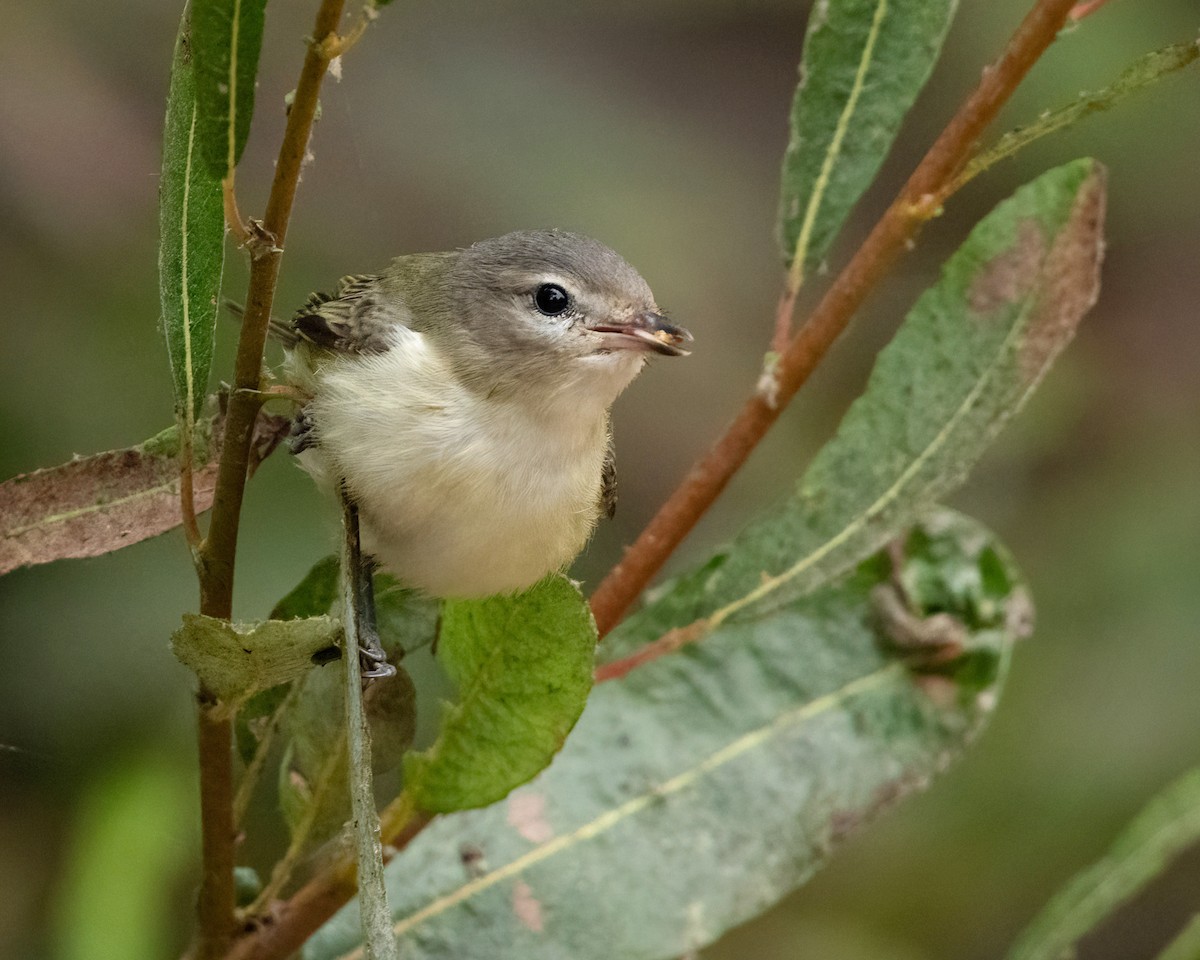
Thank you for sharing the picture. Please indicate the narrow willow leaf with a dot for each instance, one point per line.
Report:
(1143, 72)
(864, 63)
(1168, 825)
(94, 505)
(701, 788)
(227, 36)
(191, 242)
(970, 352)
(237, 660)
(523, 667)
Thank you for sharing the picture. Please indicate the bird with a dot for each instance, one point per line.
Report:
(461, 400)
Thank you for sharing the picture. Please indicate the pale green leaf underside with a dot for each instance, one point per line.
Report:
(523, 668)
(864, 62)
(191, 241)
(237, 660)
(968, 354)
(701, 788)
(1168, 825)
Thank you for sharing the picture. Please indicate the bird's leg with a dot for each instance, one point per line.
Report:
(361, 570)
(301, 436)
(370, 650)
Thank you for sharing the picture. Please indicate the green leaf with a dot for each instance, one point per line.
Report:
(314, 596)
(864, 63)
(702, 787)
(970, 352)
(405, 618)
(1168, 825)
(523, 667)
(227, 36)
(1146, 70)
(191, 243)
(237, 660)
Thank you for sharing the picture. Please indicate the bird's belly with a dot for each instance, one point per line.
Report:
(473, 536)
(459, 495)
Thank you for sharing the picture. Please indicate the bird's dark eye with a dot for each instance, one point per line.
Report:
(551, 299)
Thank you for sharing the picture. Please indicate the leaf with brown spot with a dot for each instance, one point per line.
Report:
(1008, 277)
(969, 353)
(95, 505)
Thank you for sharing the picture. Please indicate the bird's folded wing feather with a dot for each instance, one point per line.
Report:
(608, 482)
(356, 319)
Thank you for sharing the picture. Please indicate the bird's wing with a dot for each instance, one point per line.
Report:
(356, 319)
(608, 482)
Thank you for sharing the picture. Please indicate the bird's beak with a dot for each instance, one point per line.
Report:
(645, 331)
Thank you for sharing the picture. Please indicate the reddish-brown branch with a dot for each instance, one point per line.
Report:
(215, 908)
(216, 561)
(1085, 9)
(919, 199)
(292, 922)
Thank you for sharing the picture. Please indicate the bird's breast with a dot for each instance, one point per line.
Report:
(460, 494)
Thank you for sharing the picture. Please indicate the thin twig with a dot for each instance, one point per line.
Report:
(187, 492)
(218, 834)
(295, 920)
(249, 781)
(336, 46)
(233, 216)
(281, 873)
(216, 909)
(917, 202)
(1085, 9)
(1143, 72)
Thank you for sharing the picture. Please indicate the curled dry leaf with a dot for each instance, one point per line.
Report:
(94, 505)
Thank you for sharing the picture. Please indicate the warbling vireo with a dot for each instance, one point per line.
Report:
(463, 399)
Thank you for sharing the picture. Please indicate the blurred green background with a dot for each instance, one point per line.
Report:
(657, 127)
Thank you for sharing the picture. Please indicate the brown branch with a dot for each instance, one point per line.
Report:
(187, 486)
(216, 566)
(292, 922)
(917, 201)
